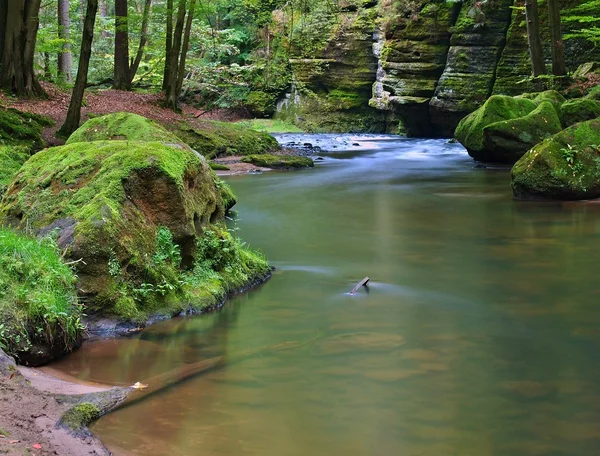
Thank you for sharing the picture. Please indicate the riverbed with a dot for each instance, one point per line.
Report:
(479, 333)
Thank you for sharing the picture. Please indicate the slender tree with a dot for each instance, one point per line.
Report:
(121, 69)
(20, 34)
(558, 49)
(168, 44)
(65, 60)
(3, 16)
(533, 36)
(143, 39)
(74, 113)
(178, 53)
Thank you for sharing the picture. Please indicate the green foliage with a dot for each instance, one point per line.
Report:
(38, 301)
(166, 249)
(271, 126)
(584, 13)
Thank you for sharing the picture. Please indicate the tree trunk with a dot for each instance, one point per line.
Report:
(3, 16)
(22, 21)
(533, 36)
(74, 114)
(143, 38)
(104, 15)
(184, 48)
(171, 89)
(558, 49)
(122, 76)
(65, 60)
(168, 44)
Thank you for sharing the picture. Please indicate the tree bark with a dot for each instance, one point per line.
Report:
(558, 49)
(121, 69)
(74, 113)
(184, 48)
(538, 66)
(21, 26)
(65, 60)
(171, 99)
(104, 15)
(3, 17)
(143, 39)
(168, 44)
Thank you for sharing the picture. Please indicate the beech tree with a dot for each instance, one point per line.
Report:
(176, 54)
(74, 113)
(65, 60)
(538, 66)
(19, 26)
(558, 49)
(122, 79)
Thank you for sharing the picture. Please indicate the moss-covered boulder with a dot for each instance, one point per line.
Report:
(579, 110)
(488, 135)
(279, 161)
(508, 140)
(216, 139)
(121, 126)
(22, 128)
(565, 166)
(39, 311)
(551, 96)
(111, 204)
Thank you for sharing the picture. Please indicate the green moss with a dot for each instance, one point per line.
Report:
(217, 166)
(271, 126)
(22, 128)
(121, 126)
(229, 199)
(4, 433)
(553, 97)
(565, 166)
(508, 140)
(594, 93)
(279, 161)
(11, 160)
(80, 416)
(497, 108)
(38, 301)
(215, 139)
(579, 110)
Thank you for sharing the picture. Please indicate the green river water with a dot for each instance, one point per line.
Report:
(479, 335)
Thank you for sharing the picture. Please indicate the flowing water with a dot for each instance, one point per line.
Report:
(479, 334)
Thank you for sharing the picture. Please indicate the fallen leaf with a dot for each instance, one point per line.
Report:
(14, 441)
(11, 376)
(2, 436)
(36, 446)
(138, 385)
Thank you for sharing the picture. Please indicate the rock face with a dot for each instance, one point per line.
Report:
(107, 200)
(504, 128)
(333, 77)
(565, 166)
(478, 37)
(432, 63)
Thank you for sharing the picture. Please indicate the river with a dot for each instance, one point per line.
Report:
(479, 334)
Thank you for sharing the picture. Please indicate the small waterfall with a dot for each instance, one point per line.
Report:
(287, 107)
(381, 98)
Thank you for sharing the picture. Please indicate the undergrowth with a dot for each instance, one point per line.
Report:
(38, 301)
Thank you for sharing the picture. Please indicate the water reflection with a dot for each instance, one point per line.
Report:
(479, 335)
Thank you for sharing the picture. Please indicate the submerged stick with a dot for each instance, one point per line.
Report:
(362, 283)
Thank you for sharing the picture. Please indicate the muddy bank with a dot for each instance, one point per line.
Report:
(41, 414)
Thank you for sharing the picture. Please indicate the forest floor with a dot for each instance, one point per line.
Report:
(107, 101)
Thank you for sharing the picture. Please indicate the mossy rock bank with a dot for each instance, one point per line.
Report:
(279, 161)
(22, 128)
(504, 128)
(130, 213)
(217, 139)
(40, 316)
(563, 167)
(579, 110)
(121, 126)
(11, 160)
